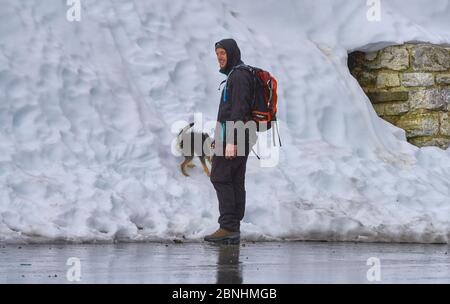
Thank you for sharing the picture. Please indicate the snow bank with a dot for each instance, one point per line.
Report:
(87, 114)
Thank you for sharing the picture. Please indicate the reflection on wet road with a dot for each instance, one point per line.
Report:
(289, 262)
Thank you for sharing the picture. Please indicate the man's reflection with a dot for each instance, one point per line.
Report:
(229, 270)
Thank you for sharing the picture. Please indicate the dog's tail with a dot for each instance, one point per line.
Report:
(180, 135)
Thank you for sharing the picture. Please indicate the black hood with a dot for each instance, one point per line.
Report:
(233, 54)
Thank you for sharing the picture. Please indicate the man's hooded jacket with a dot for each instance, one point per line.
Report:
(237, 95)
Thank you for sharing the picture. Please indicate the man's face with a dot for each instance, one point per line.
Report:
(221, 57)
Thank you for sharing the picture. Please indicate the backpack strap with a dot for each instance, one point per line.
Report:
(252, 71)
(225, 92)
(242, 66)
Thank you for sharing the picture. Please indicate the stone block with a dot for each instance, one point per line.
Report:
(395, 58)
(388, 80)
(427, 141)
(378, 97)
(423, 124)
(371, 56)
(430, 58)
(430, 99)
(367, 79)
(396, 108)
(417, 79)
(444, 124)
(443, 79)
(379, 108)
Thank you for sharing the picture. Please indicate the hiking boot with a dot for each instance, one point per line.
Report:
(224, 236)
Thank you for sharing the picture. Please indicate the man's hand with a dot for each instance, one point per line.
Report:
(230, 151)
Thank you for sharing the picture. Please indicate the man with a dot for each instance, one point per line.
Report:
(228, 168)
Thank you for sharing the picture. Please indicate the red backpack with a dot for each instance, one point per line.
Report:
(264, 107)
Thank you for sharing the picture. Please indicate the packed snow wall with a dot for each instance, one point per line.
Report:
(89, 111)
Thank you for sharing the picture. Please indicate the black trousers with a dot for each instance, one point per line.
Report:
(228, 178)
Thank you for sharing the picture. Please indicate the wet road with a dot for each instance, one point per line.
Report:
(290, 262)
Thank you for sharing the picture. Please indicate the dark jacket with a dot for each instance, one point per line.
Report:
(237, 94)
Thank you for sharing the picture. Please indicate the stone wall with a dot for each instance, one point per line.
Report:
(409, 86)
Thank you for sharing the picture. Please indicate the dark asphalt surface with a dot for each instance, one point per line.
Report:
(288, 262)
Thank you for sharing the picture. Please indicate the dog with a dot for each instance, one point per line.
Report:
(192, 144)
